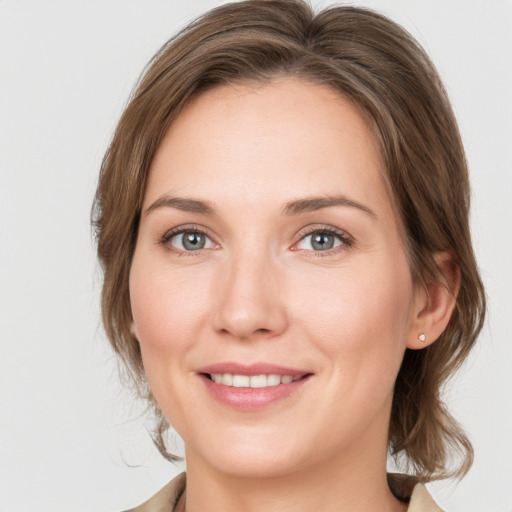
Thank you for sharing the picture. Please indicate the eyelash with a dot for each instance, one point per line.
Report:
(346, 240)
(169, 235)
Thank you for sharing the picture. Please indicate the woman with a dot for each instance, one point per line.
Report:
(282, 220)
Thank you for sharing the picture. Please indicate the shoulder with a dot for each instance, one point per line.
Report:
(166, 499)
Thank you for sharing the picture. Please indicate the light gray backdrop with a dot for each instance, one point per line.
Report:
(69, 434)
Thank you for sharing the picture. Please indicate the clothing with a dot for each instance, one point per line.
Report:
(403, 487)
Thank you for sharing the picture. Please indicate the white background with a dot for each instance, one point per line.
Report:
(68, 432)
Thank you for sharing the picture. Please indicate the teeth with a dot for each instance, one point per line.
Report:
(273, 380)
(253, 381)
(227, 379)
(241, 381)
(258, 381)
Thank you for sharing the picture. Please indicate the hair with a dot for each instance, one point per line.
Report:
(379, 67)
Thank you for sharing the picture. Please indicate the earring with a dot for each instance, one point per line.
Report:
(422, 337)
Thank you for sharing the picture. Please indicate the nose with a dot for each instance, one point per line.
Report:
(248, 304)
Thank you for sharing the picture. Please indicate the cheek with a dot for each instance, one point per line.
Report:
(168, 308)
(362, 317)
(169, 311)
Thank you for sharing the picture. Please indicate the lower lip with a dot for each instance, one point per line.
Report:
(252, 399)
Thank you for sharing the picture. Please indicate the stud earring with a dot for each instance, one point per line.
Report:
(422, 337)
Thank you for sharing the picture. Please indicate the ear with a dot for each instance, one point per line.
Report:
(133, 330)
(434, 304)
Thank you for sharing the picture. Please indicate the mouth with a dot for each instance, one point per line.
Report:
(253, 387)
(253, 381)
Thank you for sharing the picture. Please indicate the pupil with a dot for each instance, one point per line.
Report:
(322, 241)
(193, 241)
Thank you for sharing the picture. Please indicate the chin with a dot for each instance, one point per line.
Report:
(256, 465)
(261, 457)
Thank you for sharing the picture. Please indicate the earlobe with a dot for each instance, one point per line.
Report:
(435, 304)
(133, 331)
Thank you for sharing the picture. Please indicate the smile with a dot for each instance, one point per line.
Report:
(252, 387)
(252, 381)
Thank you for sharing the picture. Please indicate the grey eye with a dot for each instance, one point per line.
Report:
(191, 241)
(320, 241)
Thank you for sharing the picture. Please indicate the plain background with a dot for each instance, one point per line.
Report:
(70, 438)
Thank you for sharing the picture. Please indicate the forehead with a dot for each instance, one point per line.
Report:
(254, 141)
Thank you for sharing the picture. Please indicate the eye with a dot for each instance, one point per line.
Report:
(322, 240)
(189, 240)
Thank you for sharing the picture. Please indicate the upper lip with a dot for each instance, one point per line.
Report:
(251, 369)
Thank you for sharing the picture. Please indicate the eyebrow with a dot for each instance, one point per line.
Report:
(297, 207)
(184, 204)
(311, 204)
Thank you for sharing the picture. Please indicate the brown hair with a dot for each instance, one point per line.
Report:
(377, 65)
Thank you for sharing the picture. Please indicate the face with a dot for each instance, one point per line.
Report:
(270, 289)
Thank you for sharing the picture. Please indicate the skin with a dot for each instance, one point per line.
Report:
(259, 291)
